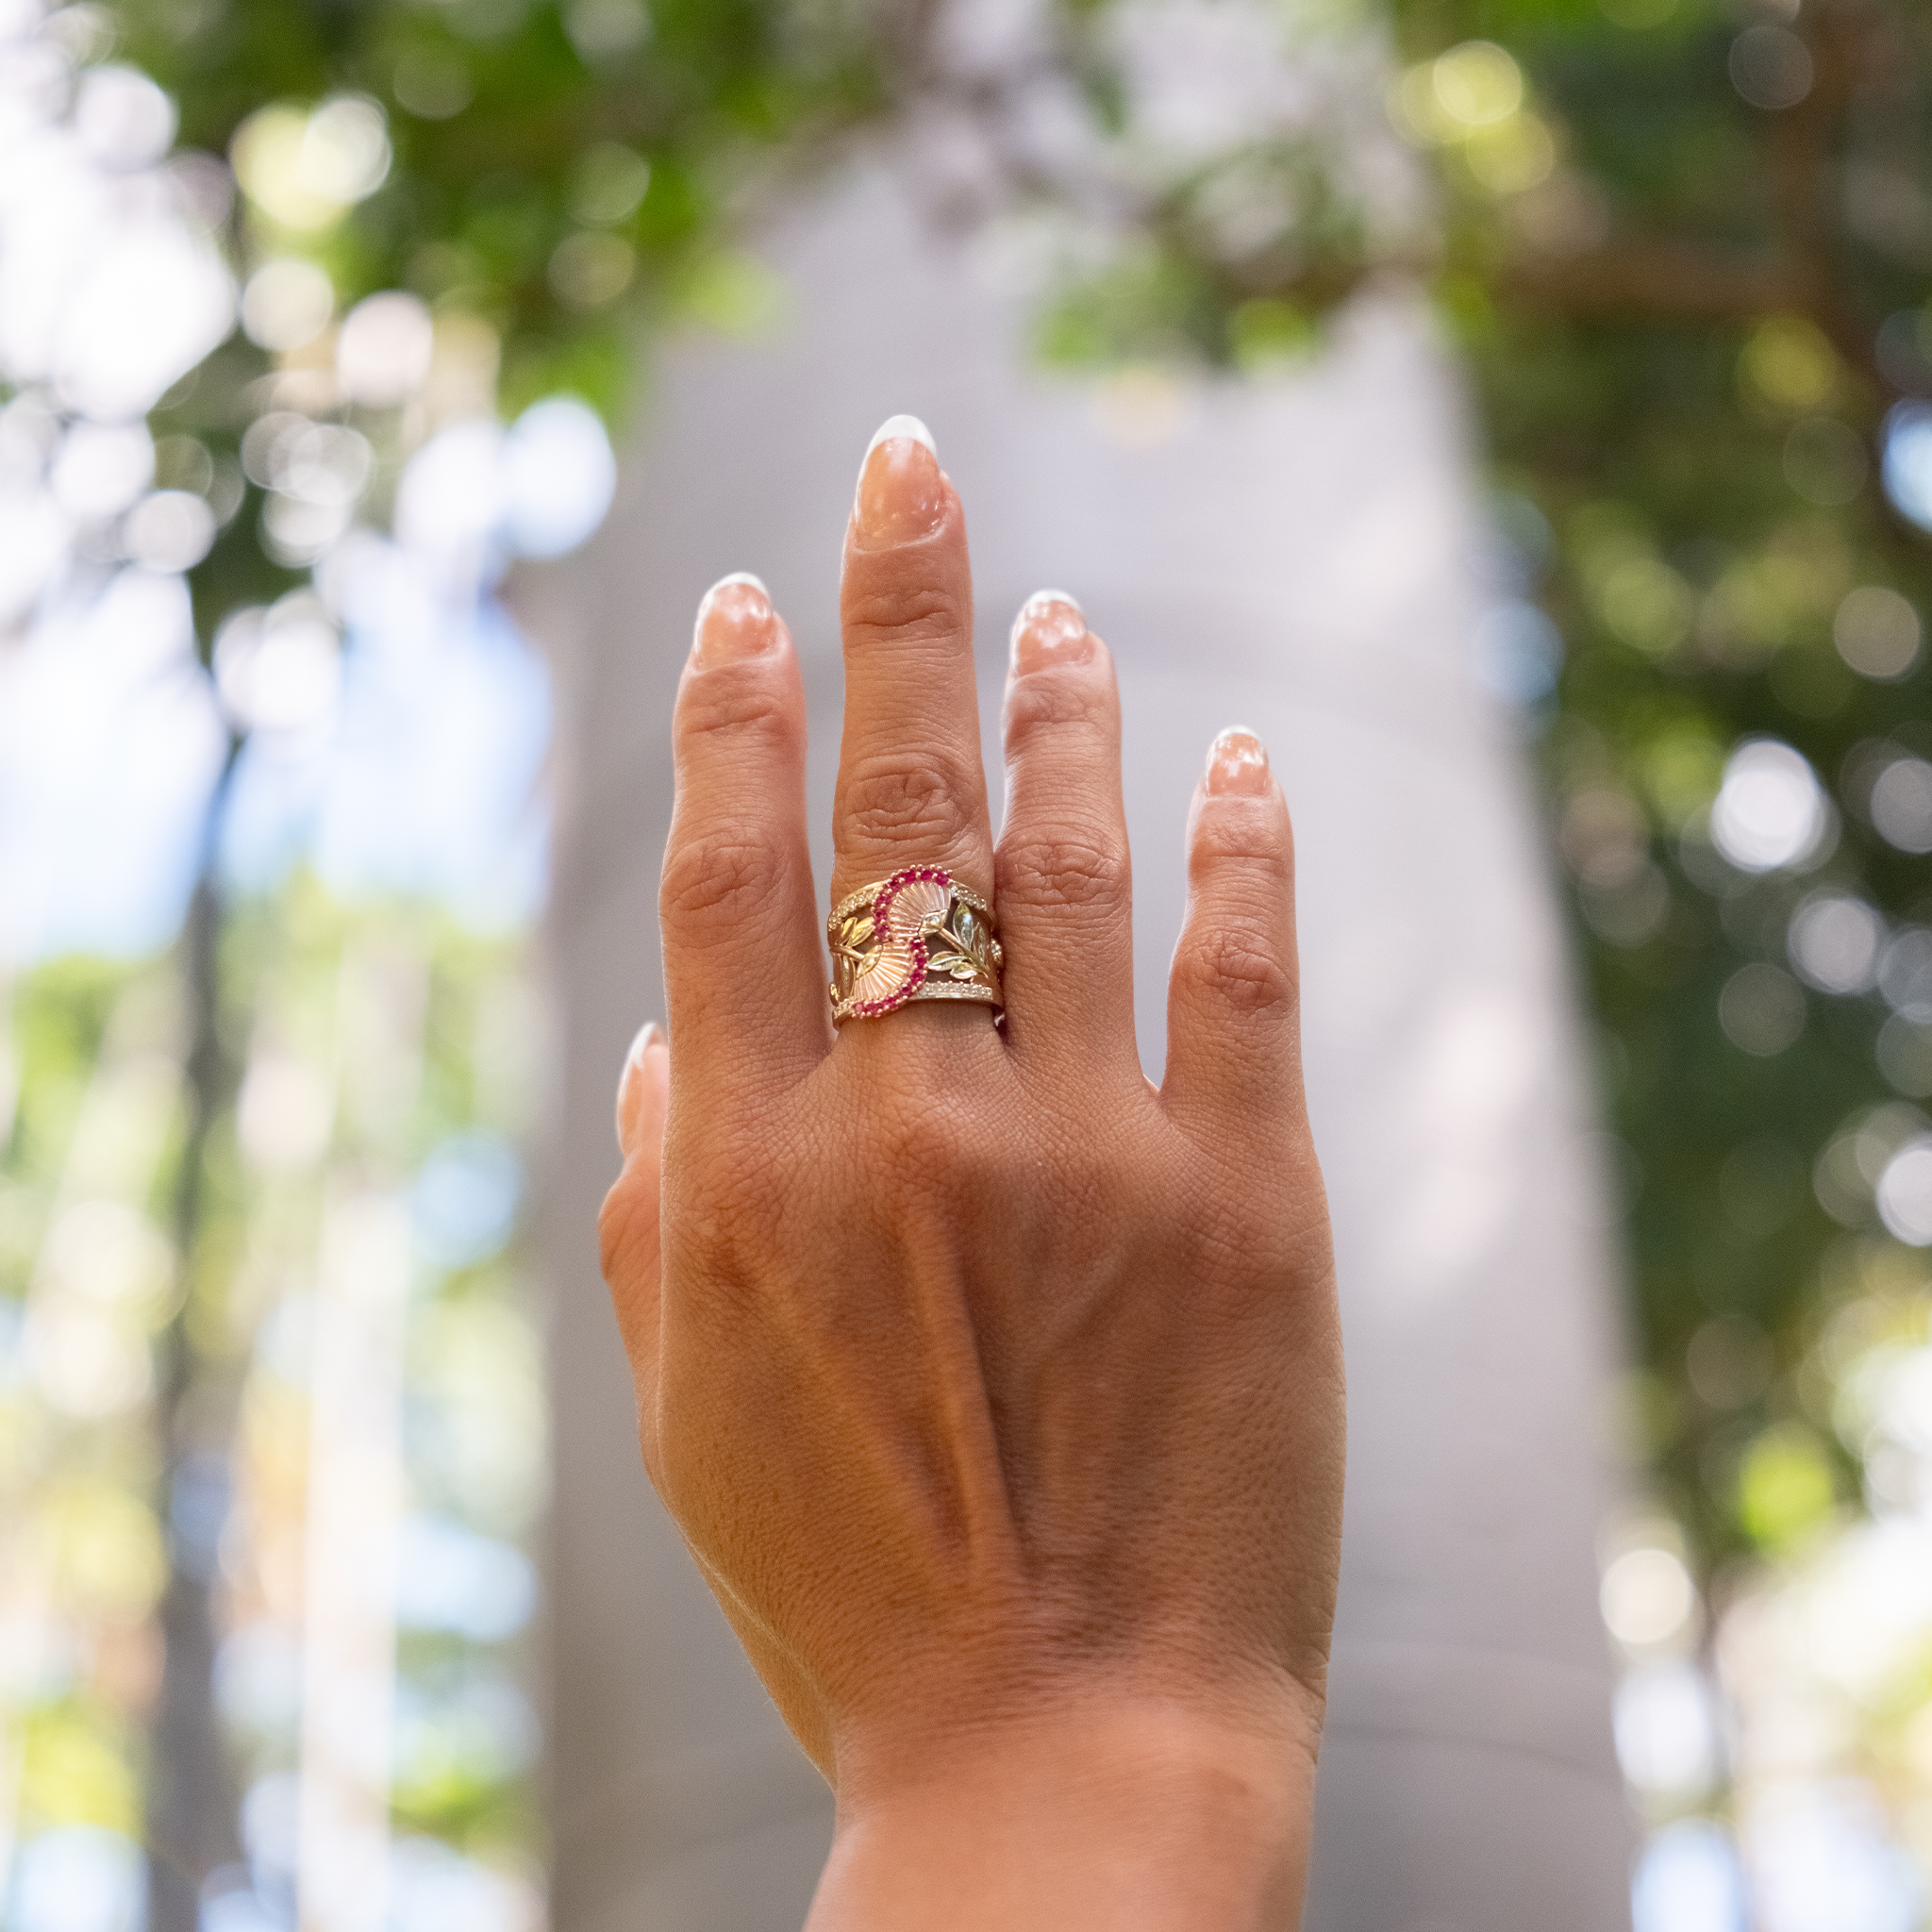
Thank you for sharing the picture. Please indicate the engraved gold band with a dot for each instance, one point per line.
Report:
(919, 934)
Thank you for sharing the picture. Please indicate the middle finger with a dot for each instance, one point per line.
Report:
(911, 784)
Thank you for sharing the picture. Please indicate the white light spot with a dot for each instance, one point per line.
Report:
(78, 1876)
(287, 301)
(1666, 1732)
(559, 474)
(1905, 1193)
(123, 119)
(346, 152)
(383, 353)
(149, 303)
(35, 549)
(170, 530)
(304, 170)
(1901, 805)
(1647, 1597)
(295, 532)
(100, 471)
(1834, 940)
(1690, 1881)
(1770, 811)
(285, 1112)
(322, 463)
(1877, 632)
(278, 670)
(1905, 975)
(451, 497)
(87, 1362)
(1908, 461)
(1905, 1057)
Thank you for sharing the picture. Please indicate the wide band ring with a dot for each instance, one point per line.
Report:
(919, 934)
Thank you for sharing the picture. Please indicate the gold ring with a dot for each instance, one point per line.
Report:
(919, 934)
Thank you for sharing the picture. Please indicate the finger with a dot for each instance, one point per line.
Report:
(1063, 890)
(643, 1095)
(911, 788)
(629, 1225)
(743, 971)
(1233, 1005)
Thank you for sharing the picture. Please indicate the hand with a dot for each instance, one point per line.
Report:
(997, 1393)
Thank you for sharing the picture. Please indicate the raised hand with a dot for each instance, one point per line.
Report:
(997, 1393)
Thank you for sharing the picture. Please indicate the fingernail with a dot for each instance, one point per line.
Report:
(734, 621)
(649, 1035)
(1237, 765)
(646, 1062)
(901, 494)
(1050, 630)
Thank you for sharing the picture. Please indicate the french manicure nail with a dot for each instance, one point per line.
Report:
(638, 1068)
(902, 496)
(735, 619)
(1050, 630)
(1237, 765)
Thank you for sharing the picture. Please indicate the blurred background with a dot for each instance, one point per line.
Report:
(318, 326)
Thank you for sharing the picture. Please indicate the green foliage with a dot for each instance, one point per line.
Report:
(563, 179)
(1686, 385)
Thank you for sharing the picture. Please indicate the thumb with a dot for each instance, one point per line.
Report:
(629, 1226)
(644, 1093)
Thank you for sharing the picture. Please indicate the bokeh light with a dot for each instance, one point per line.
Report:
(1770, 811)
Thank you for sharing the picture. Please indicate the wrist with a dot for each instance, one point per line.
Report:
(1100, 1814)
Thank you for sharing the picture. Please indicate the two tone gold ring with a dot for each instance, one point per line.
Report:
(919, 934)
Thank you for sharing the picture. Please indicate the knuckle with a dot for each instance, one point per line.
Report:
(721, 1204)
(722, 1213)
(919, 1141)
(894, 800)
(718, 712)
(1045, 703)
(715, 882)
(1256, 843)
(887, 613)
(1062, 871)
(1237, 967)
(936, 1153)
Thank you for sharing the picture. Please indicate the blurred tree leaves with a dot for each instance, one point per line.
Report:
(1680, 362)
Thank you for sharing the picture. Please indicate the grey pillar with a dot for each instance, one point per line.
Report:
(1299, 557)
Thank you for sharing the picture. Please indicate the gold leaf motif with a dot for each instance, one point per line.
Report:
(917, 907)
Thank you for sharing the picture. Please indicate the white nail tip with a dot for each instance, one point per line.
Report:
(738, 576)
(1053, 597)
(901, 425)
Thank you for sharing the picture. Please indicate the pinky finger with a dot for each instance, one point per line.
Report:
(629, 1226)
(1234, 1004)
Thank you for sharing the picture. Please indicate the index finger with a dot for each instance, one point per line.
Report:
(743, 973)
